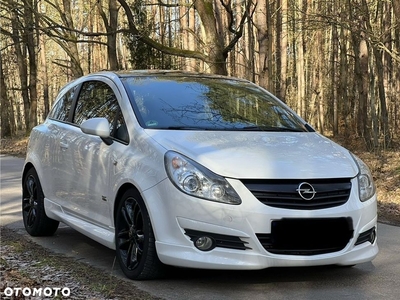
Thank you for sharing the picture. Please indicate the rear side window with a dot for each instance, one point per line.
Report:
(62, 107)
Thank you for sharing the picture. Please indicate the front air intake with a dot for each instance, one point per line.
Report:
(366, 236)
(220, 240)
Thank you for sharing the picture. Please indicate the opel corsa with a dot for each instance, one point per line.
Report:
(196, 171)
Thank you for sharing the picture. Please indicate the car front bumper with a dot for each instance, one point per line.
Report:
(173, 214)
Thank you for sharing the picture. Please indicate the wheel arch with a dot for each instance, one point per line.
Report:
(27, 167)
(123, 188)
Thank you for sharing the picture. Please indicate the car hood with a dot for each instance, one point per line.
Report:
(256, 155)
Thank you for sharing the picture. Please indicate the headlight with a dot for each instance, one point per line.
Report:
(366, 186)
(196, 180)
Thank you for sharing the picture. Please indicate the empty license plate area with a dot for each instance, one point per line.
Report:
(310, 236)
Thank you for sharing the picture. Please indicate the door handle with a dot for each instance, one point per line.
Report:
(63, 145)
(114, 159)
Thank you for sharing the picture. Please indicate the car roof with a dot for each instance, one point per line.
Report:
(151, 73)
(169, 73)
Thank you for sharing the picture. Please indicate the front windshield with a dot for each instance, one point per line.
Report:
(203, 103)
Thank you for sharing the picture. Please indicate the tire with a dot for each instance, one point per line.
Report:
(134, 238)
(35, 219)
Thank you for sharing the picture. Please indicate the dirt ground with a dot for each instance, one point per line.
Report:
(26, 265)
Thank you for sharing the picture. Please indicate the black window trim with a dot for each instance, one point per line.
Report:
(119, 112)
(72, 108)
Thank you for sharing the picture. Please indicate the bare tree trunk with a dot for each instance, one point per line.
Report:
(278, 59)
(380, 76)
(31, 45)
(214, 52)
(237, 57)
(214, 43)
(360, 49)
(271, 44)
(283, 45)
(7, 112)
(263, 35)
(364, 89)
(395, 122)
(170, 43)
(251, 69)
(44, 76)
(396, 9)
(319, 84)
(111, 28)
(184, 31)
(21, 59)
(301, 81)
(191, 38)
(333, 73)
(72, 48)
(343, 77)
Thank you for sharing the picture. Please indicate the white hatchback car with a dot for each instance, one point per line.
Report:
(195, 170)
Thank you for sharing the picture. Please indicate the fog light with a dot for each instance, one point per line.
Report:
(204, 243)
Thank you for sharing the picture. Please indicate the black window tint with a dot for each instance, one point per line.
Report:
(120, 130)
(60, 110)
(96, 99)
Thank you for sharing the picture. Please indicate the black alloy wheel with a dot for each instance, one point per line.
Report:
(34, 216)
(135, 242)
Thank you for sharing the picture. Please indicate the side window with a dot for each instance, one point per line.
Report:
(97, 99)
(62, 107)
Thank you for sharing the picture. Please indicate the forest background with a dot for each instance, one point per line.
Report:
(336, 62)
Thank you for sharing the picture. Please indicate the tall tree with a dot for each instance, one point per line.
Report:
(380, 76)
(282, 48)
(263, 23)
(334, 68)
(7, 113)
(344, 108)
(65, 35)
(44, 74)
(396, 10)
(214, 51)
(22, 35)
(111, 25)
(300, 63)
(363, 85)
(31, 45)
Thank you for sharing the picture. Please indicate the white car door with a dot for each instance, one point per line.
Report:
(90, 191)
(56, 157)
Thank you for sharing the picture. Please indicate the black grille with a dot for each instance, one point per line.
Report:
(284, 194)
(307, 236)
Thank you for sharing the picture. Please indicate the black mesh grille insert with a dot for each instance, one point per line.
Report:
(284, 193)
(307, 236)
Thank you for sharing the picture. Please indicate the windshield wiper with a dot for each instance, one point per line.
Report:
(247, 128)
(183, 128)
